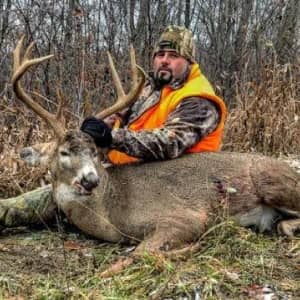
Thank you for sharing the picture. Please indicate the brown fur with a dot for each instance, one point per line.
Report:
(167, 205)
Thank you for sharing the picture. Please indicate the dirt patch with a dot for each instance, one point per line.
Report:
(31, 260)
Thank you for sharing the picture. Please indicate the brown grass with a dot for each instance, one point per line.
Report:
(19, 128)
(266, 117)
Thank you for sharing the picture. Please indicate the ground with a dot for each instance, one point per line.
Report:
(233, 263)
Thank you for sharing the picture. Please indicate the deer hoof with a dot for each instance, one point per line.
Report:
(287, 228)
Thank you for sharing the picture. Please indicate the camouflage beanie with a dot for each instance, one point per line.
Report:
(179, 39)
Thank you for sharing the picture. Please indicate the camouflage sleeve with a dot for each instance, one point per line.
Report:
(186, 125)
(33, 207)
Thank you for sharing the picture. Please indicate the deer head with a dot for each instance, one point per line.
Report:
(73, 154)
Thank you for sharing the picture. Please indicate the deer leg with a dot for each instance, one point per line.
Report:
(288, 227)
(29, 208)
(278, 185)
(172, 234)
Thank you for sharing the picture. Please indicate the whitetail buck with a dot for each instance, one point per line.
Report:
(165, 206)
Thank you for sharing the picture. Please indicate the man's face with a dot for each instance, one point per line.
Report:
(169, 66)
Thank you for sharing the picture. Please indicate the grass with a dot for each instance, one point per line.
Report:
(266, 117)
(232, 263)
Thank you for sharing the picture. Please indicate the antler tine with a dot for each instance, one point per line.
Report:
(61, 103)
(17, 53)
(124, 100)
(28, 51)
(21, 65)
(115, 77)
(133, 64)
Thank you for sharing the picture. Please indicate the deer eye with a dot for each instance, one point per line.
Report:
(64, 153)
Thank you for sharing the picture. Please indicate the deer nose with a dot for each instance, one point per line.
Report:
(90, 181)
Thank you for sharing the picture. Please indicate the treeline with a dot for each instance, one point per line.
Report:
(236, 40)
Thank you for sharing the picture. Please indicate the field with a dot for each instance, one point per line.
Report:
(233, 263)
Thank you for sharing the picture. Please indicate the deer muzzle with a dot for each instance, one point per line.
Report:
(89, 181)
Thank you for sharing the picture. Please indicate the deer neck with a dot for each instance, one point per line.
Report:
(90, 213)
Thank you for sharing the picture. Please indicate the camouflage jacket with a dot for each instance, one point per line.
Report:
(185, 126)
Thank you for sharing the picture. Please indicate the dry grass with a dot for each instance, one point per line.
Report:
(266, 118)
(20, 128)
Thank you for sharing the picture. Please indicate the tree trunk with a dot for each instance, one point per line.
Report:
(286, 38)
(187, 13)
(4, 24)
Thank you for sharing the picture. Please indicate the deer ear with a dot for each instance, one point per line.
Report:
(39, 154)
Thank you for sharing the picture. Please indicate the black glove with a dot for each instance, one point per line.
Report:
(98, 130)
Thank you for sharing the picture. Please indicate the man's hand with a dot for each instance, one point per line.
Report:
(111, 120)
(98, 130)
(116, 117)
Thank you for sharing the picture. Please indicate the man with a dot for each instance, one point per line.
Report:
(177, 111)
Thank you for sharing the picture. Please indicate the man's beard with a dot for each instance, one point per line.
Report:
(163, 76)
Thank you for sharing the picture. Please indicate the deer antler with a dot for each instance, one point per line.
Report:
(21, 65)
(124, 100)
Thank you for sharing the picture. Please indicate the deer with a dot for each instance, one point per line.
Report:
(164, 206)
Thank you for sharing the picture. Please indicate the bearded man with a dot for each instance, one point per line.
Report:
(176, 113)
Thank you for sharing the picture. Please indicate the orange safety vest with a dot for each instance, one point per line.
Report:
(196, 86)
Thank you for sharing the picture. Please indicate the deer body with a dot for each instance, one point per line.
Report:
(171, 202)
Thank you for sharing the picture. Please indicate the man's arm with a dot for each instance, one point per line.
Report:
(192, 120)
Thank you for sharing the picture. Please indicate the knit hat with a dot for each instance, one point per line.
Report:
(177, 38)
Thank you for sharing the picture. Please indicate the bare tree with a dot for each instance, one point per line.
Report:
(187, 13)
(235, 39)
(5, 7)
(286, 37)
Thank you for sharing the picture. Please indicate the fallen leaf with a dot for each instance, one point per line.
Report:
(4, 248)
(258, 292)
(71, 245)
